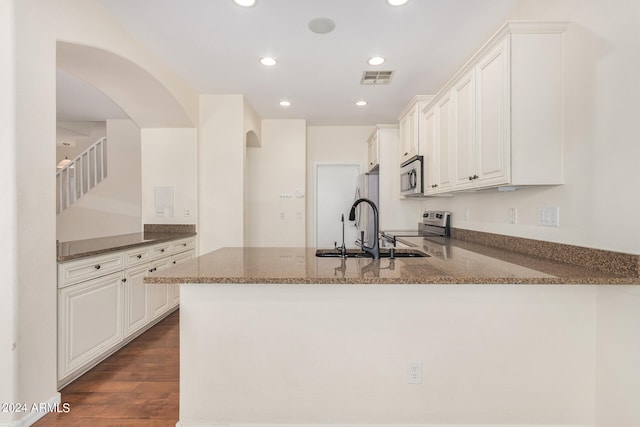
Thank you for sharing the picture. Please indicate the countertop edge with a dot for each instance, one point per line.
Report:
(437, 280)
(167, 238)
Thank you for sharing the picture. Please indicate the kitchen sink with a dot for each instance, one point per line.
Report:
(384, 253)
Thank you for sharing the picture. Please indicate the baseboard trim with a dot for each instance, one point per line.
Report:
(39, 411)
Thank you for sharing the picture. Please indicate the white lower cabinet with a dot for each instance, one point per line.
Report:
(89, 321)
(99, 313)
(136, 307)
(174, 289)
(159, 292)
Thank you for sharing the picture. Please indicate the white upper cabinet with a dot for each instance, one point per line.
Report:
(497, 122)
(492, 119)
(410, 128)
(463, 141)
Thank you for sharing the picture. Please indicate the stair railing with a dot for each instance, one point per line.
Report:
(81, 174)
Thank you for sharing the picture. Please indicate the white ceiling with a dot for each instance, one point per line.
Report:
(215, 46)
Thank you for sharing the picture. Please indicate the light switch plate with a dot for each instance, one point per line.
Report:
(549, 216)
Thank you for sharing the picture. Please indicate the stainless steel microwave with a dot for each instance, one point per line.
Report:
(411, 176)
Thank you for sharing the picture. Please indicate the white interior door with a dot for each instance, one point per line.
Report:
(335, 193)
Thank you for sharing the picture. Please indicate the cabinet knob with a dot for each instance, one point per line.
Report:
(139, 256)
(162, 250)
(406, 153)
(174, 262)
(124, 280)
(97, 266)
(184, 244)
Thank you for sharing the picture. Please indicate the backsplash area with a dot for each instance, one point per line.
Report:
(169, 228)
(613, 262)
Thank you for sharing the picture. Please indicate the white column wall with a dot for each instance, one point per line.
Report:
(8, 216)
(221, 158)
(36, 228)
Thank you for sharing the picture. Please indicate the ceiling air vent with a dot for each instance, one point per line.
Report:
(376, 77)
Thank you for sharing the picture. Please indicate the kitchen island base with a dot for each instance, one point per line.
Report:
(305, 354)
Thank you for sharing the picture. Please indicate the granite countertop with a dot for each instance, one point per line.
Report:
(67, 251)
(451, 261)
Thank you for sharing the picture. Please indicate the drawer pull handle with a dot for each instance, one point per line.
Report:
(153, 269)
(139, 256)
(124, 280)
(97, 266)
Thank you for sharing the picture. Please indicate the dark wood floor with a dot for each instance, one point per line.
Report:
(136, 387)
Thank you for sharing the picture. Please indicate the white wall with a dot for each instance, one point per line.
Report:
(331, 144)
(169, 159)
(600, 201)
(338, 354)
(8, 216)
(221, 158)
(618, 352)
(113, 206)
(276, 185)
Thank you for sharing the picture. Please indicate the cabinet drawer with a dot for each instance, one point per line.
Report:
(161, 250)
(183, 245)
(89, 268)
(137, 256)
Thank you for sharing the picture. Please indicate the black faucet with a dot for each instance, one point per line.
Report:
(375, 249)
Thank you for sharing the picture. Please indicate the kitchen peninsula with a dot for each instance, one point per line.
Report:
(276, 336)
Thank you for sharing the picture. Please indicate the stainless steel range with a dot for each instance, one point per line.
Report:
(436, 223)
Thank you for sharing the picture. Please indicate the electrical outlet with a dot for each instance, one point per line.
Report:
(466, 214)
(414, 372)
(513, 215)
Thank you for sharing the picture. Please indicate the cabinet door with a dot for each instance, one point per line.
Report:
(136, 304)
(159, 292)
(464, 133)
(444, 181)
(409, 134)
(429, 141)
(493, 123)
(89, 321)
(174, 289)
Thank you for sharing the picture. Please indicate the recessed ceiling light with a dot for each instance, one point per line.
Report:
(376, 60)
(397, 2)
(245, 3)
(269, 62)
(285, 104)
(322, 25)
(361, 103)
